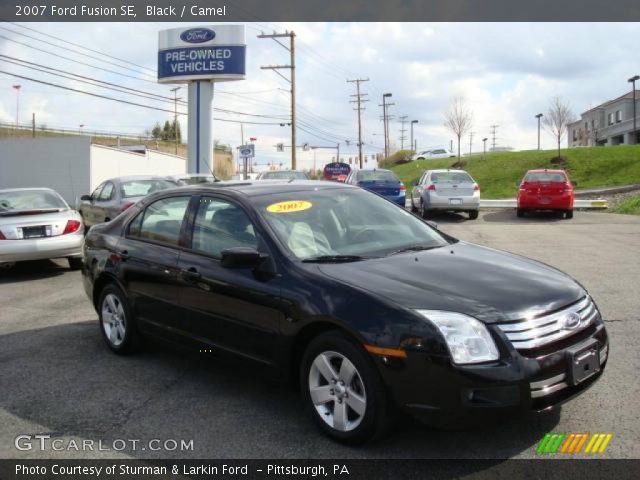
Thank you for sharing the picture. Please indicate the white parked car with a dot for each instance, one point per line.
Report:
(434, 153)
(36, 224)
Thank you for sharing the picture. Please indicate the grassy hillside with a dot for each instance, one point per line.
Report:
(498, 173)
(630, 206)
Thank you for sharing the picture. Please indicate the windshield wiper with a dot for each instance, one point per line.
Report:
(334, 259)
(415, 248)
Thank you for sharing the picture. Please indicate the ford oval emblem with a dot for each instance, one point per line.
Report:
(571, 321)
(197, 35)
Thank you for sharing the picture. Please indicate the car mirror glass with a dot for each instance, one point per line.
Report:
(85, 198)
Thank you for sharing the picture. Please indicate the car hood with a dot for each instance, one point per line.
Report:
(478, 281)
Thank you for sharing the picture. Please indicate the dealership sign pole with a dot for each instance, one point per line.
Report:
(201, 56)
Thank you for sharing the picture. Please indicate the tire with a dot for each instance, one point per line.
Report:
(568, 214)
(413, 207)
(423, 212)
(75, 263)
(120, 334)
(352, 407)
(473, 214)
(520, 212)
(6, 266)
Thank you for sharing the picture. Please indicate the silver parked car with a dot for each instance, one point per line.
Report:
(446, 190)
(282, 175)
(116, 195)
(37, 224)
(194, 179)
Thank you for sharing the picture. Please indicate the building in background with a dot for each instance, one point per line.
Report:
(608, 124)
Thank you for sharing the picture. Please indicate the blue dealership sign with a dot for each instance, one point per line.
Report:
(332, 171)
(191, 63)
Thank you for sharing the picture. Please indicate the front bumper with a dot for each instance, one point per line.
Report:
(41, 248)
(443, 394)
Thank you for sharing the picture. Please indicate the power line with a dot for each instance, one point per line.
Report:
(82, 46)
(78, 61)
(77, 53)
(124, 101)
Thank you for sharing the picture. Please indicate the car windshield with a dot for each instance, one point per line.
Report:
(25, 200)
(451, 177)
(284, 175)
(545, 177)
(140, 188)
(376, 176)
(349, 223)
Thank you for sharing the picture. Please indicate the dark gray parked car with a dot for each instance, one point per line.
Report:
(116, 195)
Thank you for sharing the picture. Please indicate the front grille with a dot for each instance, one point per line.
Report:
(541, 330)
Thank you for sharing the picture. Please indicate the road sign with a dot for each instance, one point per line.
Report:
(305, 147)
(247, 151)
(280, 147)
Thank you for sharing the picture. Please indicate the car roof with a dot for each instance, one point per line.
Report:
(129, 178)
(27, 189)
(251, 188)
(547, 170)
(372, 170)
(442, 170)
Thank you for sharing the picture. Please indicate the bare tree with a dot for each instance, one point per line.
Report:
(558, 118)
(458, 119)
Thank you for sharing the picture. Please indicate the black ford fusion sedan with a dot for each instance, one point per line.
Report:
(365, 305)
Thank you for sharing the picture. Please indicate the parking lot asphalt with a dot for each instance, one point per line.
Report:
(58, 378)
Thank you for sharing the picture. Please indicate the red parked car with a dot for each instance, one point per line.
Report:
(546, 190)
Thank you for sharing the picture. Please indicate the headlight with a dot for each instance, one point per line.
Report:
(468, 339)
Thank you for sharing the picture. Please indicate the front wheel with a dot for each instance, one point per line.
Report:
(342, 391)
(423, 212)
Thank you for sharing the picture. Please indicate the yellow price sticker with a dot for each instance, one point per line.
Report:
(289, 206)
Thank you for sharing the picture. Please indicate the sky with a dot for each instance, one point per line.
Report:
(506, 72)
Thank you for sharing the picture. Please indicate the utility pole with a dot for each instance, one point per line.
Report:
(539, 116)
(385, 120)
(633, 81)
(403, 120)
(292, 80)
(359, 100)
(470, 141)
(175, 116)
(493, 135)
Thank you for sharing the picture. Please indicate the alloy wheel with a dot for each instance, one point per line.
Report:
(337, 391)
(113, 319)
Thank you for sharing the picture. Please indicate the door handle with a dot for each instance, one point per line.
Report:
(191, 274)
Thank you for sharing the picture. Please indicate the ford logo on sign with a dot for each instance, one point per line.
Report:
(197, 35)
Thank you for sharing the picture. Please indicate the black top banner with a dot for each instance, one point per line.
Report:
(214, 11)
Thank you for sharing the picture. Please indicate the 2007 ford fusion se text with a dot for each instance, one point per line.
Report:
(366, 307)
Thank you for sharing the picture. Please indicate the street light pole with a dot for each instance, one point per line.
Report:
(17, 87)
(412, 122)
(484, 146)
(632, 80)
(539, 116)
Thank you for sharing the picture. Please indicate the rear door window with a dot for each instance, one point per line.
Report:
(161, 221)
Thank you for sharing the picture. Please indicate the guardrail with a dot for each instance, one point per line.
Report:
(512, 203)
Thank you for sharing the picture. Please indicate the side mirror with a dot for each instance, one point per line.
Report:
(432, 224)
(85, 198)
(241, 257)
